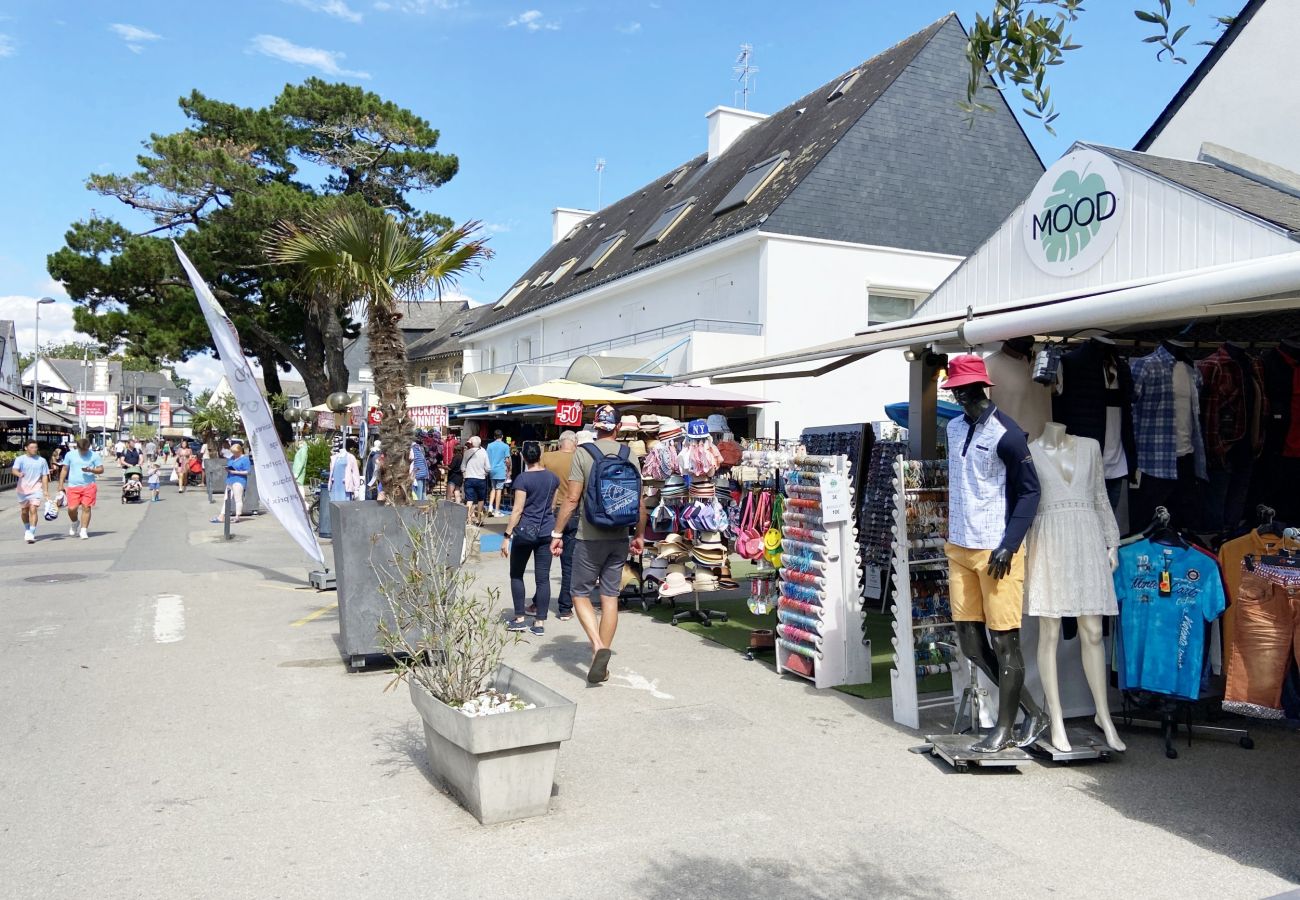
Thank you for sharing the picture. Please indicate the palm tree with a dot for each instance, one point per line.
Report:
(366, 257)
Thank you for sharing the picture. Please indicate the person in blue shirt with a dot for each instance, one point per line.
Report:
(498, 456)
(78, 473)
(237, 468)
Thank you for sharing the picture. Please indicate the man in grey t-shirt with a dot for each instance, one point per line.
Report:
(601, 552)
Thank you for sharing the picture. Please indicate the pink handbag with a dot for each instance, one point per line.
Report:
(749, 542)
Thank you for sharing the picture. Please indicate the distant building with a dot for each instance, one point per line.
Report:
(100, 393)
(10, 377)
(419, 320)
(438, 358)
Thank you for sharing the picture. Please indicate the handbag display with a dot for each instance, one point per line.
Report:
(772, 537)
(749, 541)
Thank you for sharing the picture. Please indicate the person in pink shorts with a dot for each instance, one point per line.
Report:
(33, 480)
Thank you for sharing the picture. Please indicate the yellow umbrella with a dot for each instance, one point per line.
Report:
(548, 393)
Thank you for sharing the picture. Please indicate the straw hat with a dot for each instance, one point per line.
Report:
(709, 540)
(705, 580)
(669, 428)
(674, 585)
(649, 424)
(628, 425)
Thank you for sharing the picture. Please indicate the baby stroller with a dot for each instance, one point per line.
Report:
(133, 485)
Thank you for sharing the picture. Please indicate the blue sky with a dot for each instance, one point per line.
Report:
(527, 96)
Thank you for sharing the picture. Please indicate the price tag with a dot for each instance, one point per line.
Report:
(568, 413)
(835, 499)
(874, 582)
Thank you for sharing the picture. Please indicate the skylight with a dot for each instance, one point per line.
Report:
(512, 294)
(843, 87)
(666, 222)
(540, 278)
(754, 180)
(677, 176)
(601, 253)
(560, 270)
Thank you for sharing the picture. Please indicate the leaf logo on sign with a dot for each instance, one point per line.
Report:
(1072, 214)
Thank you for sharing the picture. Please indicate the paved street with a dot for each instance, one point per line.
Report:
(179, 724)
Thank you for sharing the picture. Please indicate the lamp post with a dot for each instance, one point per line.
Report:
(36, 365)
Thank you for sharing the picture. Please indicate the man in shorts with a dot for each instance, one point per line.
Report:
(498, 458)
(77, 481)
(599, 554)
(33, 474)
(477, 469)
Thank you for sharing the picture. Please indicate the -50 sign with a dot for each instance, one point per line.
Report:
(1073, 216)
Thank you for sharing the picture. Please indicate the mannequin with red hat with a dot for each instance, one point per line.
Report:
(992, 499)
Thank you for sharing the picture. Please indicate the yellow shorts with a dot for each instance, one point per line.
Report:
(976, 596)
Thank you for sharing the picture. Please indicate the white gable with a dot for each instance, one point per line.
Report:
(1165, 229)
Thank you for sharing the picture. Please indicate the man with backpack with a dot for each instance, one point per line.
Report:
(605, 484)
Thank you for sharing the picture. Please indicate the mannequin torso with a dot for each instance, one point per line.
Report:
(1061, 448)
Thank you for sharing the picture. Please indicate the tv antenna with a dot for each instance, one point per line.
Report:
(745, 71)
(600, 172)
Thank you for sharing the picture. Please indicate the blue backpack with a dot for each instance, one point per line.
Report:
(612, 496)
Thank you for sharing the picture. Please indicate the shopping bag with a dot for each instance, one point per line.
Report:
(174, 478)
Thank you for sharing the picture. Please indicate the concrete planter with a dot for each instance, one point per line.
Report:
(500, 767)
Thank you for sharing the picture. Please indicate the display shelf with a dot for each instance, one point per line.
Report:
(819, 612)
(917, 526)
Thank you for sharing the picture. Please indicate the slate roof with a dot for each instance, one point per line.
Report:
(1206, 65)
(70, 371)
(808, 128)
(288, 387)
(428, 315)
(1252, 197)
(446, 337)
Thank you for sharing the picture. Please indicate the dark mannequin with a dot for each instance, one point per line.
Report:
(1178, 350)
(1001, 661)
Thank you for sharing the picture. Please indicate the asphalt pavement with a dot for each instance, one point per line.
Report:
(177, 722)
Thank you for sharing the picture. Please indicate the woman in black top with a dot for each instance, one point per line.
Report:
(456, 477)
(529, 534)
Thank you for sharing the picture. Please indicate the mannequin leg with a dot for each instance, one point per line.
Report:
(1011, 698)
(970, 636)
(1049, 638)
(1094, 668)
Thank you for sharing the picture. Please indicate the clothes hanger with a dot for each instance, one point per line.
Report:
(1268, 523)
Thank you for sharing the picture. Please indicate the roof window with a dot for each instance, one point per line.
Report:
(540, 278)
(677, 176)
(666, 222)
(560, 270)
(754, 180)
(843, 87)
(602, 252)
(512, 294)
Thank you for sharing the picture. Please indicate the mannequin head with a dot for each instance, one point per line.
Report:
(972, 398)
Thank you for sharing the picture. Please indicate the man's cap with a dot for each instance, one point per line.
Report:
(966, 370)
(606, 418)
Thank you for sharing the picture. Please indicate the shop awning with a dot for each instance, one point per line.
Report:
(483, 384)
(527, 375)
(609, 370)
(696, 395)
(551, 392)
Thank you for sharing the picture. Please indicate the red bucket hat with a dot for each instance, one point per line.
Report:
(964, 370)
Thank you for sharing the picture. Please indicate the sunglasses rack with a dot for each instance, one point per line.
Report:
(819, 630)
(923, 629)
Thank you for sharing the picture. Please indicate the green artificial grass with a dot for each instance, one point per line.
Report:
(734, 633)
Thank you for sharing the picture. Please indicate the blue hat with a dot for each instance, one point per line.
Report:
(717, 423)
(606, 418)
(697, 428)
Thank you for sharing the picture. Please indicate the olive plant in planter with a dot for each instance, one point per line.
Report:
(492, 733)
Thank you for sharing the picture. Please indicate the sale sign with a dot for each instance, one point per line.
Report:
(428, 416)
(374, 417)
(568, 413)
(92, 407)
(165, 412)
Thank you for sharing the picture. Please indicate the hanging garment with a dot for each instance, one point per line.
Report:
(1068, 572)
(1166, 596)
(1096, 401)
(1231, 555)
(1157, 414)
(1266, 639)
(1232, 397)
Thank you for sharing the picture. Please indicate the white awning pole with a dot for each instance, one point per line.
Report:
(1149, 302)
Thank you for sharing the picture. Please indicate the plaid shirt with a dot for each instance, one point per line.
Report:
(1154, 417)
(1229, 419)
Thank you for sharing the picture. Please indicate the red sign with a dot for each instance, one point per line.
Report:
(428, 416)
(568, 413)
(92, 407)
(374, 417)
(165, 412)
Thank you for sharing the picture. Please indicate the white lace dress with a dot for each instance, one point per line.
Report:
(1067, 570)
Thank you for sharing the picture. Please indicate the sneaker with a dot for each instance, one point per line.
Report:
(29, 537)
(72, 531)
(537, 630)
(85, 535)
(530, 609)
(517, 626)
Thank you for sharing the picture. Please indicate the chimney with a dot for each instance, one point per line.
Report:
(563, 219)
(726, 124)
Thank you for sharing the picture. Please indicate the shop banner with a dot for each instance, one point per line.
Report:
(1073, 215)
(374, 417)
(568, 413)
(92, 407)
(326, 421)
(428, 416)
(165, 413)
(275, 482)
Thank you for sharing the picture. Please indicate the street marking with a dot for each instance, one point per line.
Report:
(311, 617)
(640, 683)
(168, 619)
(40, 631)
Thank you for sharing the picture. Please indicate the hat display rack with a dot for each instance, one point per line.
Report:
(819, 611)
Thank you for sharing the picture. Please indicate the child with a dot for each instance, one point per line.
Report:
(152, 469)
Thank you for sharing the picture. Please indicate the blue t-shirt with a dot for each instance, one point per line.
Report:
(498, 452)
(77, 463)
(30, 469)
(240, 467)
(1162, 636)
(539, 501)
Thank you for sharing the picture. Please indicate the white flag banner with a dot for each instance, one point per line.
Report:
(275, 482)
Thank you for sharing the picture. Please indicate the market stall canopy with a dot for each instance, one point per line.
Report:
(528, 375)
(550, 392)
(898, 412)
(483, 384)
(610, 370)
(696, 395)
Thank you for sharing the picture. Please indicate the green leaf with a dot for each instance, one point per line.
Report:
(1146, 16)
(1179, 33)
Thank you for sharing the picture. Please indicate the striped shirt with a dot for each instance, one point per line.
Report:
(1155, 415)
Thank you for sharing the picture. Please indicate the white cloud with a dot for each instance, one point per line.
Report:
(326, 61)
(203, 371)
(52, 288)
(418, 7)
(135, 36)
(56, 321)
(7, 46)
(629, 28)
(533, 20)
(496, 227)
(336, 8)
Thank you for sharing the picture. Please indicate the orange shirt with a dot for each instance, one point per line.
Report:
(1230, 556)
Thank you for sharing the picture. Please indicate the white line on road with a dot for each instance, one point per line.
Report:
(168, 619)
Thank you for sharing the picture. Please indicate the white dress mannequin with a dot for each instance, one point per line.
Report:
(1074, 464)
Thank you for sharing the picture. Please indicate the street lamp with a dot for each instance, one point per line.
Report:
(36, 365)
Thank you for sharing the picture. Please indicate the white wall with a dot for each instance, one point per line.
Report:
(1247, 102)
(10, 377)
(816, 292)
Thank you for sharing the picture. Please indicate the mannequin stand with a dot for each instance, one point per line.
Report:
(955, 749)
(1085, 744)
(702, 616)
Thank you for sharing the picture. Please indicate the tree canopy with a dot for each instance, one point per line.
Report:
(216, 187)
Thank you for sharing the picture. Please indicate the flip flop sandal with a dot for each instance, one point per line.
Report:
(599, 671)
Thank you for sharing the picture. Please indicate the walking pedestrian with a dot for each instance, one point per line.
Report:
(455, 476)
(56, 459)
(528, 535)
(476, 469)
(605, 484)
(559, 462)
(150, 451)
(153, 477)
(118, 449)
(498, 453)
(184, 455)
(33, 474)
(77, 483)
(130, 458)
(419, 468)
(237, 468)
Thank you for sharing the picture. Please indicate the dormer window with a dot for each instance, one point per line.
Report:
(752, 182)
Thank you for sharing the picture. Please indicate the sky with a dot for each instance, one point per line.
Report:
(528, 97)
